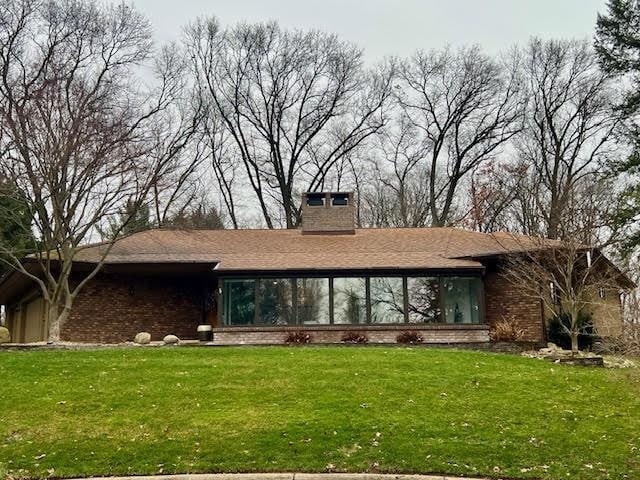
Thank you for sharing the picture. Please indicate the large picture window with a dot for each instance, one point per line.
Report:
(387, 299)
(239, 301)
(461, 299)
(313, 300)
(349, 300)
(352, 300)
(275, 301)
(424, 299)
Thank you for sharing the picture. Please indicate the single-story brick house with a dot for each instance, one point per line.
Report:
(327, 278)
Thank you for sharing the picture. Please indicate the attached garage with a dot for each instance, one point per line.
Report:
(26, 320)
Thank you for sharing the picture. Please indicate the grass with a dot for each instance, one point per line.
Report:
(359, 409)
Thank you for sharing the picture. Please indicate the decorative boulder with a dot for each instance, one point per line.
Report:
(5, 335)
(170, 340)
(142, 338)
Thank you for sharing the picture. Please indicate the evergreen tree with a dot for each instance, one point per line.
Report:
(202, 217)
(139, 218)
(15, 226)
(618, 47)
(130, 220)
(353, 309)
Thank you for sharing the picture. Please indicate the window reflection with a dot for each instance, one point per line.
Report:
(275, 301)
(424, 299)
(239, 301)
(461, 299)
(313, 300)
(349, 300)
(306, 301)
(387, 300)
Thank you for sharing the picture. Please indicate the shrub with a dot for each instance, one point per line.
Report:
(557, 335)
(354, 337)
(626, 344)
(506, 330)
(297, 337)
(409, 338)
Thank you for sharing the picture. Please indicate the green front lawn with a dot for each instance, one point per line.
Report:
(359, 409)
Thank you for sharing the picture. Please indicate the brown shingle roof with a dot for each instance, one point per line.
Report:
(437, 248)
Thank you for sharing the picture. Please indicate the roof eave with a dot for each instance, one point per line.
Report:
(347, 270)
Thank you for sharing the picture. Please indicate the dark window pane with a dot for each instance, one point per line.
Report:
(461, 299)
(313, 300)
(339, 199)
(349, 300)
(239, 301)
(275, 297)
(387, 300)
(315, 199)
(424, 299)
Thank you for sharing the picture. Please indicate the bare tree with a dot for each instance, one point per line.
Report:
(569, 278)
(78, 132)
(467, 106)
(295, 103)
(397, 195)
(568, 134)
(222, 151)
(505, 197)
(492, 196)
(631, 300)
(561, 154)
(176, 143)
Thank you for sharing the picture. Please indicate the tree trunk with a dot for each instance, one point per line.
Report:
(53, 321)
(56, 317)
(554, 224)
(574, 342)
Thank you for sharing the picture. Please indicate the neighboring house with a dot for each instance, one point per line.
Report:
(327, 278)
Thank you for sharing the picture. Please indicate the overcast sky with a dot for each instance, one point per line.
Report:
(390, 27)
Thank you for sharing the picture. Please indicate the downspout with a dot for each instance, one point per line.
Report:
(483, 297)
(211, 293)
(544, 323)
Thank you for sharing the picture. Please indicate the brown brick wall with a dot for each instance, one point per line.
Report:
(436, 334)
(328, 218)
(505, 301)
(113, 308)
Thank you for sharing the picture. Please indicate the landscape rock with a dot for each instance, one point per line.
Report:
(618, 362)
(5, 335)
(583, 358)
(142, 338)
(170, 340)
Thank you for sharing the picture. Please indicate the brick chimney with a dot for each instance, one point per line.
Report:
(330, 212)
